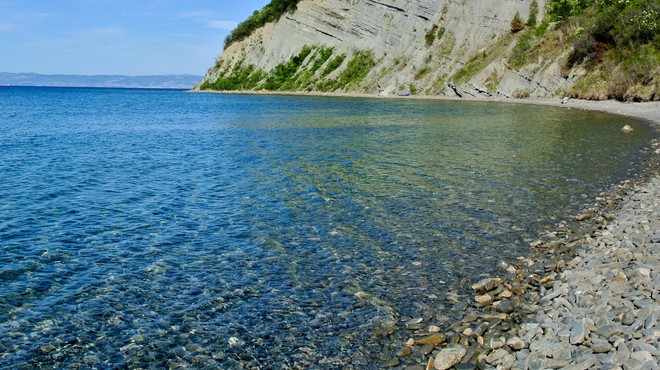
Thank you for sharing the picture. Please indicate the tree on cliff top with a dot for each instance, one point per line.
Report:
(270, 13)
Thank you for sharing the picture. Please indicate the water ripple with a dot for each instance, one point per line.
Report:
(146, 228)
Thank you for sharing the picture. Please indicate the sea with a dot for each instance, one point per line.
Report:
(159, 229)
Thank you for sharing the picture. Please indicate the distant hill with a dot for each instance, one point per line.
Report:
(35, 79)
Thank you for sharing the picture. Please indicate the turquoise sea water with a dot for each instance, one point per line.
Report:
(159, 228)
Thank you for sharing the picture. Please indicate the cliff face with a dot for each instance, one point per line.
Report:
(450, 47)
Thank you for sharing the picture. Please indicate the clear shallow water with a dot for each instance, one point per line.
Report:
(156, 228)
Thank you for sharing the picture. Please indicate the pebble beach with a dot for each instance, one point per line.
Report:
(587, 297)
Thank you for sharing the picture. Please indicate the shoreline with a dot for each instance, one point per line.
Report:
(587, 295)
(649, 111)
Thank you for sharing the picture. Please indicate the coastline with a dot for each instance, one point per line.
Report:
(587, 296)
(649, 111)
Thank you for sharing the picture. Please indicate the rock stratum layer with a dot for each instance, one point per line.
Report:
(390, 47)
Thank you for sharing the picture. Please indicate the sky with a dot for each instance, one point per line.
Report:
(127, 37)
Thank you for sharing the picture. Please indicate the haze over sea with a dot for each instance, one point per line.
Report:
(156, 228)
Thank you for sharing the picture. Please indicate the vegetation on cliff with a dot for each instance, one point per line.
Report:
(270, 13)
(310, 69)
(619, 42)
(604, 49)
(616, 43)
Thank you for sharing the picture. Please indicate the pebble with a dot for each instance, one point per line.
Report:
(578, 333)
(588, 297)
(601, 346)
(449, 357)
(432, 339)
(516, 343)
(486, 285)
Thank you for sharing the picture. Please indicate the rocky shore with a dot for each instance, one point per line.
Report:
(587, 298)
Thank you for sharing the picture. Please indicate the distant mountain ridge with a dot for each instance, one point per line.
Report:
(183, 81)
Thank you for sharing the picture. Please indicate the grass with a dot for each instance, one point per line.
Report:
(356, 70)
(422, 73)
(474, 66)
(431, 35)
(240, 78)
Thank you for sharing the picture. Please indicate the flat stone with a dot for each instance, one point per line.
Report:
(426, 349)
(578, 332)
(432, 339)
(516, 343)
(47, 348)
(496, 343)
(404, 352)
(650, 321)
(535, 361)
(505, 294)
(641, 346)
(486, 285)
(609, 331)
(414, 321)
(504, 306)
(585, 364)
(628, 318)
(483, 299)
(557, 364)
(429, 365)
(601, 346)
(641, 356)
(434, 329)
(481, 329)
(465, 367)
(564, 335)
(563, 353)
(542, 347)
(449, 357)
(649, 365)
(621, 356)
(392, 363)
(471, 317)
(507, 362)
(643, 303)
(498, 354)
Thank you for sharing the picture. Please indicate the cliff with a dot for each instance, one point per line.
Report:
(434, 47)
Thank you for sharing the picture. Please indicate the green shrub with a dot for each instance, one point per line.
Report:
(431, 34)
(423, 72)
(619, 45)
(517, 24)
(282, 77)
(533, 13)
(584, 50)
(240, 78)
(269, 13)
(322, 56)
(542, 28)
(560, 10)
(356, 70)
(333, 64)
(473, 66)
(441, 32)
(519, 55)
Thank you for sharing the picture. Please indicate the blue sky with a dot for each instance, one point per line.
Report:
(131, 37)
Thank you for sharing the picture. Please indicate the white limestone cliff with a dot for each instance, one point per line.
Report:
(395, 31)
